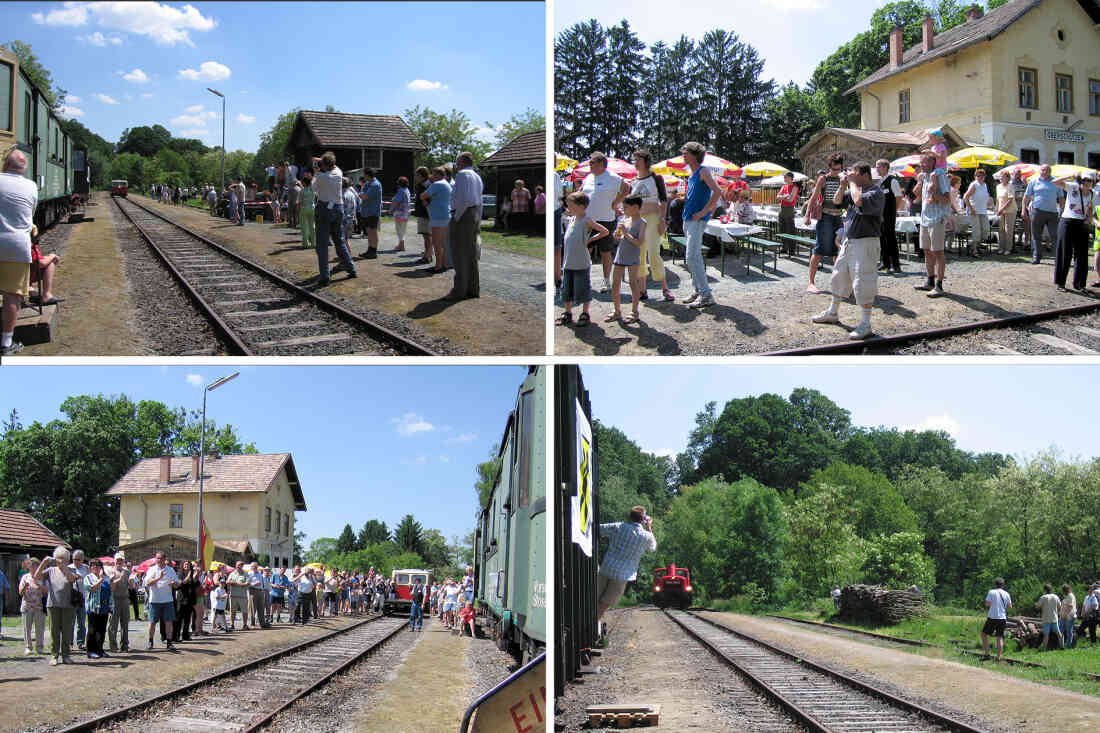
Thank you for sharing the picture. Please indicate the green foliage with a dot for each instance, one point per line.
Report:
(373, 532)
(488, 473)
(445, 134)
(873, 506)
(273, 145)
(38, 74)
(727, 535)
(824, 550)
(793, 115)
(408, 536)
(299, 550)
(628, 476)
(898, 561)
(346, 542)
(321, 549)
(434, 550)
(530, 120)
(144, 140)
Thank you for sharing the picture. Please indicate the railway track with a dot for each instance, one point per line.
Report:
(1069, 330)
(279, 679)
(254, 310)
(857, 633)
(821, 698)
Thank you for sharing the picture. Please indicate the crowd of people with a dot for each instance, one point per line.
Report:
(853, 210)
(1058, 616)
(89, 603)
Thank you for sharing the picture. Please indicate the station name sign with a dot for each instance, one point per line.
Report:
(1065, 137)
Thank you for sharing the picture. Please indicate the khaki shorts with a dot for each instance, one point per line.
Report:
(933, 237)
(423, 226)
(15, 277)
(608, 591)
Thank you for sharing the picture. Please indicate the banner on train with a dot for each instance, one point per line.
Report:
(582, 501)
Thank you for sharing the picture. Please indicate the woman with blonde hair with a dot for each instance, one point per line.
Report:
(651, 189)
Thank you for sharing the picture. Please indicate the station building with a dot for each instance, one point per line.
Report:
(21, 535)
(522, 157)
(248, 502)
(1023, 78)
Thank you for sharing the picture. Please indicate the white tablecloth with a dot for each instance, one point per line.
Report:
(729, 232)
(910, 224)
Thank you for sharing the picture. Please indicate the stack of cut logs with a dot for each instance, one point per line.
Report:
(879, 605)
(1027, 631)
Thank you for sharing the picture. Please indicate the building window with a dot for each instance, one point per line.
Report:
(267, 520)
(278, 521)
(175, 516)
(1094, 97)
(903, 106)
(1029, 155)
(1065, 157)
(1029, 97)
(286, 525)
(1094, 160)
(372, 158)
(1063, 92)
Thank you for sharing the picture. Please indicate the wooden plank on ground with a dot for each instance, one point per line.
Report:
(999, 349)
(623, 715)
(1094, 332)
(304, 340)
(1060, 343)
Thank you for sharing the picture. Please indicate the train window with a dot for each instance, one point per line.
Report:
(28, 116)
(5, 95)
(523, 436)
(402, 578)
(681, 572)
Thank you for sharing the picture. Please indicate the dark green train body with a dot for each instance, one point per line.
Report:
(510, 541)
(28, 122)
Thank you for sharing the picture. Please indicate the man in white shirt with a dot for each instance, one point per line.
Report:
(976, 200)
(328, 184)
(18, 199)
(605, 190)
(998, 601)
(465, 222)
(1048, 606)
(160, 581)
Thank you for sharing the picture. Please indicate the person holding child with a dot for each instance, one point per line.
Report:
(631, 235)
(576, 284)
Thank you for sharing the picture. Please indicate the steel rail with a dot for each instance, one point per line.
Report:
(902, 339)
(225, 331)
(93, 723)
(357, 320)
(793, 708)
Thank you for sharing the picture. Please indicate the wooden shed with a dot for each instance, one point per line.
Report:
(21, 535)
(523, 157)
(867, 145)
(179, 548)
(383, 142)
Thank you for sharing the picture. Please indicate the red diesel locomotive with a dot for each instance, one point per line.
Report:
(671, 587)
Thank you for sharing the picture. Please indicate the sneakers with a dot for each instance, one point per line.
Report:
(702, 303)
(149, 647)
(27, 652)
(826, 316)
(690, 299)
(923, 286)
(15, 348)
(862, 331)
(936, 292)
(170, 646)
(54, 661)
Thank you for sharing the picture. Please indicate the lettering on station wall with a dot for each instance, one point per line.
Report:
(1065, 137)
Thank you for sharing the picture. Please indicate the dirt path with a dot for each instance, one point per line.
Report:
(1000, 699)
(649, 660)
(34, 693)
(95, 317)
(757, 313)
(507, 319)
(434, 671)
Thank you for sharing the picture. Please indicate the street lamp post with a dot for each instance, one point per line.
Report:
(202, 451)
(215, 91)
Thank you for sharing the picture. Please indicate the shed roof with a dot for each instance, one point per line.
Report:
(20, 529)
(883, 137)
(529, 147)
(344, 130)
(238, 546)
(952, 40)
(254, 472)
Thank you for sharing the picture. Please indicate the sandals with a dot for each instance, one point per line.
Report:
(632, 318)
(565, 319)
(584, 320)
(669, 297)
(611, 317)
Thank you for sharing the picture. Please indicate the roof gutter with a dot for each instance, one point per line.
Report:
(878, 109)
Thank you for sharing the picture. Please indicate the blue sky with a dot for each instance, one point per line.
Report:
(368, 442)
(792, 36)
(126, 65)
(1014, 409)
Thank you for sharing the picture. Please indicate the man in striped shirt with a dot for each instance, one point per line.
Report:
(629, 541)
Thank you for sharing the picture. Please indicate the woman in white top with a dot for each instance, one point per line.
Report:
(1078, 217)
(1006, 209)
(976, 202)
(651, 189)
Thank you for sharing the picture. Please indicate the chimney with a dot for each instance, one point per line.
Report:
(165, 469)
(973, 13)
(928, 28)
(896, 49)
(195, 467)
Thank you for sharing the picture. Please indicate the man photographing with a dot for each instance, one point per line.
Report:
(629, 541)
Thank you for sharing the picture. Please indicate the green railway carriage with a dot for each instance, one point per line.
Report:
(510, 541)
(28, 122)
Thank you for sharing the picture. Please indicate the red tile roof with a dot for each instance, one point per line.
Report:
(255, 472)
(22, 530)
(527, 148)
(342, 130)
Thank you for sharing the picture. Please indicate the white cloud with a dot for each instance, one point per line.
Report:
(944, 422)
(796, 4)
(137, 76)
(72, 98)
(194, 132)
(105, 99)
(462, 438)
(423, 85)
(207, 71)
(188, 121)
(246, 119)
(445, 459)
(410, 424)
(98, 39)
(195, 380)
(194, 109)
(68, 111)
(486, 134)
(146, 96)
(164, 24)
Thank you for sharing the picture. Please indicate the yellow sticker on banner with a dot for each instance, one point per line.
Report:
(586, 485)
(518, 708)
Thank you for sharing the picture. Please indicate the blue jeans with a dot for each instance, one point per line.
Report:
(559, 235)
(416, 616)
(826, 230)
(330, 225)
(1065, 625)
(232, 208)
(693, 231)
(240, 212)
(81, 629)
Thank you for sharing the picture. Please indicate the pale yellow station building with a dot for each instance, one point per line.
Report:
(1024, 78)
(246, 499)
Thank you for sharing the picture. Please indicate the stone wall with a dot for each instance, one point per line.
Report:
(852, 149)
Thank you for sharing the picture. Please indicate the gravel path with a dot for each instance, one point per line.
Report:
(488, 666)
(1081, 331)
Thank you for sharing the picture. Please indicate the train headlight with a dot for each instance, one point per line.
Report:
(657, 587)
(687, 588)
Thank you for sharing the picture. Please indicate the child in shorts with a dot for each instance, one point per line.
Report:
(467, 615)
(220, 596)
(631, 236)
(576, 263)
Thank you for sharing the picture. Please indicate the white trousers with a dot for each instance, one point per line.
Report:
(856, 270)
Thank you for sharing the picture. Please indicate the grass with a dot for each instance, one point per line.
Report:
(945, 625)
(514, 242)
